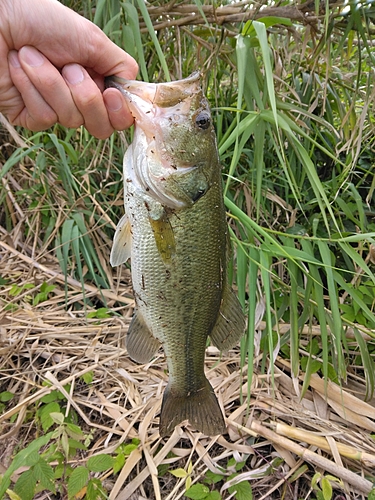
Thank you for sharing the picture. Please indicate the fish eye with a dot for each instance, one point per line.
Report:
(203, 120)
(199, 194)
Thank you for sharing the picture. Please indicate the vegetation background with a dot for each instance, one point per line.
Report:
(292, 94)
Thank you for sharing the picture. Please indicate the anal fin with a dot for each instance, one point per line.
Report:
(140, 343)
(200, 408)
(121, 246)
(230, 324)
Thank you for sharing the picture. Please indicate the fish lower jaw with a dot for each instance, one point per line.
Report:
(165, 199)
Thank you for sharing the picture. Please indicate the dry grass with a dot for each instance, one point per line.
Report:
(51, 342)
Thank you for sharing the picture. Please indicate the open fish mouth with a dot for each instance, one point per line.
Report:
(157, 94)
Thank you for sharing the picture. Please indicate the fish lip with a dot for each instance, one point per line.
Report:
(131, 88)
(159, 94)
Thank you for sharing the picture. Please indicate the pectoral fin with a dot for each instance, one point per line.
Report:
(121, 247)
(230, 323)
(140, 343)
(164, 236)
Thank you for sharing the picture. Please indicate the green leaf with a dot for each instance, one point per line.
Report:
(6, 396)
(213, 495)
(12, 495)
(32, 459)
(326, 488)
(17, 290)
(25, 485)
(88, 377)
(43, 473)
(23, 457)
(240, 465)
(60, 471)
(313, 364)
(179, 473)
(119, 462)
(48, 398)
(298, 473)
(77, 481)
(57, 417)
(95, 490)
(331, 373)
(44, 413)
(128, 448)
(76, 445)
(74, 431)
(248, 29)
(100, 463)
(42, 296)
(65, 444)
(237, 465)
(371, 495)
(60, 395)
(313, 347)
(197, 492)
(46, 288)
(266, 55)
(100, 313)
(242, 491)
(212, 477)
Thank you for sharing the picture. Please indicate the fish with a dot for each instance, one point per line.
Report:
(175, 232)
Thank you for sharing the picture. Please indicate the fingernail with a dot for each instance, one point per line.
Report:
(31, 56)
(113, 101)
(13, 59)
(73, 74)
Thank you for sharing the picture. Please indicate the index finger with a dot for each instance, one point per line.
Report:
(106, 58)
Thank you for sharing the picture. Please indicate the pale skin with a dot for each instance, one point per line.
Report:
(52, 68)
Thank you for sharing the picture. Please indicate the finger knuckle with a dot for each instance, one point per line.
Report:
(71, 122)
(89, 100)
(50, 81)
(45, 119)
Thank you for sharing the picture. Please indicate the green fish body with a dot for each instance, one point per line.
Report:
(175, 232)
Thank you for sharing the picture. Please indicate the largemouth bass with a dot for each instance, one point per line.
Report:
(175, 232)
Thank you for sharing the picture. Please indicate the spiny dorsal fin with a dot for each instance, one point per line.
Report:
(140, 343)
(121, 246)
(230, 323)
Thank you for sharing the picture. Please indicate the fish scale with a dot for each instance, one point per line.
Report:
(175, 232)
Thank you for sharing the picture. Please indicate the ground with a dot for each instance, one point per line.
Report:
(276, 443)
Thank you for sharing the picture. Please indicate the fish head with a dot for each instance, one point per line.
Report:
(174, 139)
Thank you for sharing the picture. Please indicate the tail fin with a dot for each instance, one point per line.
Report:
(201, 408)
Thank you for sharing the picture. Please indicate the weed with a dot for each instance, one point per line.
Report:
(48, 458)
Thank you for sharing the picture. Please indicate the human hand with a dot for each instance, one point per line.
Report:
(52, 68)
